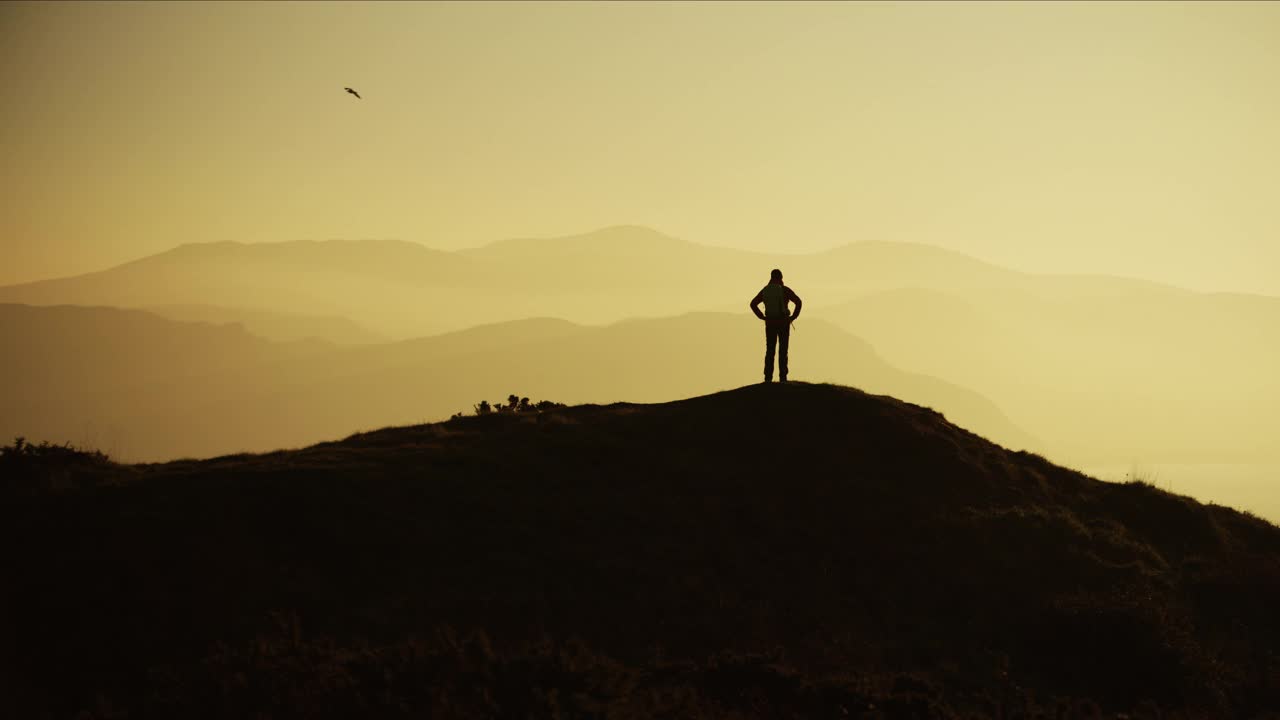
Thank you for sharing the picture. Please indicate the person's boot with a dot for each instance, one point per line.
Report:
(782, 379)
(768, 379)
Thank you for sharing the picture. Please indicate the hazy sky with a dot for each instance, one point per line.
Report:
(1140, 138)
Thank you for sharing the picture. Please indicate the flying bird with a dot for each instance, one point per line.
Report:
(353, 92)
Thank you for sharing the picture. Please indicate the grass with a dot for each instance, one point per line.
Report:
(861, 558)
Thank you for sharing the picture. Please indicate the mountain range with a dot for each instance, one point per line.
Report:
(1098, 368)
(406, 289)
(150, 388)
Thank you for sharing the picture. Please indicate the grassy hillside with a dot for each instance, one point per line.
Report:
(793, 551)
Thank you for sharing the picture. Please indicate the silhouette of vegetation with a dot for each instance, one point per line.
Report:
(27, 467)
(633, 561)
(514, 404)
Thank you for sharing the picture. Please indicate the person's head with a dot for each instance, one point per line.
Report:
(775, 276)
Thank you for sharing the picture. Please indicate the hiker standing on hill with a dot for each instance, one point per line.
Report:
(777, 322)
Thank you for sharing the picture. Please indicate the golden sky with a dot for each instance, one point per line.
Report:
(1128, 138)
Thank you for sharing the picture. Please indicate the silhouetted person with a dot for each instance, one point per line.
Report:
(353, 92)
(777, 322)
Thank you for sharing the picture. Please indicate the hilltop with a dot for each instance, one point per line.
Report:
(792, 551)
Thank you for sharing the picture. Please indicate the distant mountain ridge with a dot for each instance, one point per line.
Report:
(282, 327)
(616, 238)
(1185, 376)
(194, 389)
(595, 277)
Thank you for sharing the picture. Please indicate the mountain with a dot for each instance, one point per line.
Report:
(618, 241)
(797, 551)
(1184, 376)
(391, 283)
(200, 389)
(273, 325)
(405, 289)
(74, 350)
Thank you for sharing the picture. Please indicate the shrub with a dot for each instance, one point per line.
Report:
(513, 404)
(25, 467)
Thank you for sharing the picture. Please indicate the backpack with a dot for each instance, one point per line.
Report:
(775, 301)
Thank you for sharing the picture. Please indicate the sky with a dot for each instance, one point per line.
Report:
(1135, 139)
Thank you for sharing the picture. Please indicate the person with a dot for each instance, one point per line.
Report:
(777, 322)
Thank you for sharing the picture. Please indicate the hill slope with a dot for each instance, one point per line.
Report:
(1188, 377)
(772, 551)
(273, 326)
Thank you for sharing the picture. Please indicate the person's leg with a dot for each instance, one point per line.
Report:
(770, 341)
(784, 339)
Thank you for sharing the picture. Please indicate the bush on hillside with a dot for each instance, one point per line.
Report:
(27, 467)
(514, 404)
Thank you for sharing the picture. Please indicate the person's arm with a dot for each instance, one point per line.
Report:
(755, 304)
(795, 299)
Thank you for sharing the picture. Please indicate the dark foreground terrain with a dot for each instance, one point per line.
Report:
(801, 551)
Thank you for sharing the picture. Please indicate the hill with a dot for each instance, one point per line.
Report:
(282, 327)
(381, 284)
(791, 551)
(192, 389)
(1187, 377)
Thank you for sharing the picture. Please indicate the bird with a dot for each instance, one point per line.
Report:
(353, 92)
